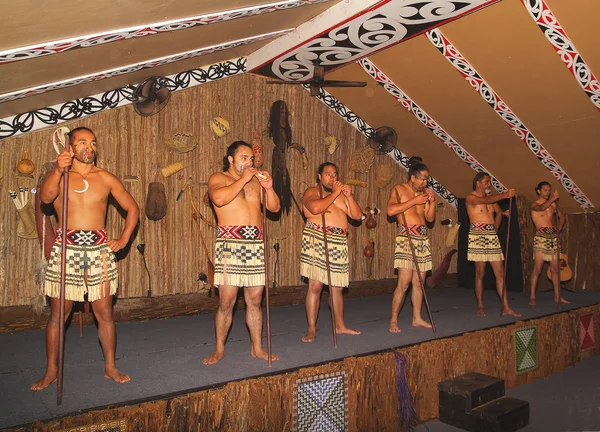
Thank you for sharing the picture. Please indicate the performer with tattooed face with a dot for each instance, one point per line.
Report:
(239, 250)
(91, 262)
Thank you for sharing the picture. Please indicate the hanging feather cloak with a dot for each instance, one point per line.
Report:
(281, 134)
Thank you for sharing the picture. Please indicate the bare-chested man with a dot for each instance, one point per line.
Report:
(485, 216)
(544, 242)
(418, 205)
(239, 250)
(338, 204)
(91, 262)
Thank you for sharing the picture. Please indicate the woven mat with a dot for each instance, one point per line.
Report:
(526, 352)
(321, 403)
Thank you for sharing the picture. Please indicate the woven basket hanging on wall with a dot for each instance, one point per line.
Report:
(383, 175)
(181, 141)
(362, 159)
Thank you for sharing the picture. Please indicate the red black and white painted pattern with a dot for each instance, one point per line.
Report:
(426, 120)
(385, 24)
(556, 35)
(460, 63)
(57, 47)
(134, 67)
(363, 127)
(86, 106)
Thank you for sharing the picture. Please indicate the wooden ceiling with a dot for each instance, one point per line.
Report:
(525, 113)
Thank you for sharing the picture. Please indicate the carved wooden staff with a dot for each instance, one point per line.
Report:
(331, 305)
(506, 256)
(414, 255)
(265, 240)
(63, 278)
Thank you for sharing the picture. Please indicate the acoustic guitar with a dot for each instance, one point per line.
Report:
(565, 271)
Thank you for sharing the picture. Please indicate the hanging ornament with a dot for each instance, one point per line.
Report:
(25, 165)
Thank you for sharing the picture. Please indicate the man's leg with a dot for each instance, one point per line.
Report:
(103, 312)
(479, 274)
(338, 305)
(538, 263)
(555, 272)
(254, 318)
(417, 301)
(223, 317)
(404, 278)
(313, 297)
(498, 268)
(52, 344)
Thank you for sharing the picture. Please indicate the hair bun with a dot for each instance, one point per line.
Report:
(415, 160)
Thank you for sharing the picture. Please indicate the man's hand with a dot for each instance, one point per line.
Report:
(265, 179)
(249, 173)
(63, 160)
(347, 190)
(337, 187)
(117, 245)
(506, 213)
(430, 195)
(509, 193)
(554, 196)
(421, 199)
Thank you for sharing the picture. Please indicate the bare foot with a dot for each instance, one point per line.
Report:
(347, 330)
(116, 375)
(480, 311)
(310, 336)
(509, 311)
(562, 300)
(47, 379)
(532, 301)
(394, 327)
(420, 323)
(214, 357)
(262, 354)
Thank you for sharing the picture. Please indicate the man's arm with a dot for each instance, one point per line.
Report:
(50, 189)
(315, 204)
(394, 207)
(497, 216)
(127, 203)
(266, 181)
(430, 206)
(352, 208)
(222, 193)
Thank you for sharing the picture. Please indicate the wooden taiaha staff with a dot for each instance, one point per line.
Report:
(268, 305)
(414, 255)
(506, 256)
(331, 305)
(63, 279)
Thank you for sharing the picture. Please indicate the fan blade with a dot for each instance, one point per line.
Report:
(329, 83)
(163, 94)
(319, 74)
(147, 107)
(288, 82)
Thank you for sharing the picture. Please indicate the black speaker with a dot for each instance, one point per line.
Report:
(514, 271)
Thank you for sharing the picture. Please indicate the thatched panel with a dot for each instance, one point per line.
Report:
(133, 148)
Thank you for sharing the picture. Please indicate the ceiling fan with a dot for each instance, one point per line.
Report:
(318, 81)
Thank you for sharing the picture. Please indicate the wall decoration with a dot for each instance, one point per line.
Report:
(321, 403)
(460, 63)
(181, 141)
(331, 142)
(426, 120)
(556, 35)
(384, 25)
(526, 352)
(86, 106)
(281, 134)
(587, 339)
(219, 126)
(400, 158)
(257, 149)
(26, 227)
(25, 165)
(57, 47)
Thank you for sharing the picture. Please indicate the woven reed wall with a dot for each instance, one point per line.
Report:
(130, 145)
(267, 404)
